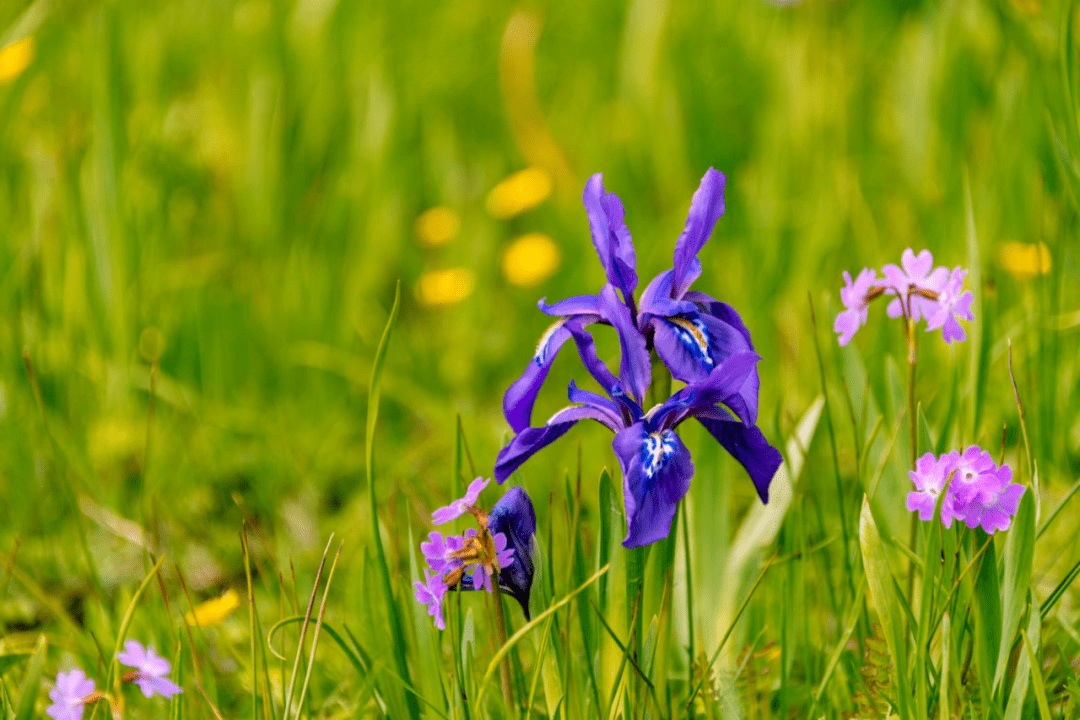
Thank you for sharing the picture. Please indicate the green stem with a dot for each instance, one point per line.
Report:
(913, 434)
(500, 633)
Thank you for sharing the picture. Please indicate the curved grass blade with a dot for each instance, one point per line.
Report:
(527, 628)
(397, 632)
(121, 634)
(33, 681)
(734, 621)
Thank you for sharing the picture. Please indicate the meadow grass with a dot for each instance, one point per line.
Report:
(207, 209)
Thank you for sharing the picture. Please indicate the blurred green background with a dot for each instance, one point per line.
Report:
(231, 190)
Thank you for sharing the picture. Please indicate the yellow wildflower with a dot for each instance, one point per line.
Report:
(215, 610)
(1024, 260)
(445, 287)
(437, 226)
(522, 191)
(530, 259)
(15, 58)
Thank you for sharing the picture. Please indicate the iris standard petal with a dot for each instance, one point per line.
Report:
(749, 447)
(656, 471)
(705, 209)
(610, 237)
(513, 516)
(521, 395)
(635, 370)
(657, 299)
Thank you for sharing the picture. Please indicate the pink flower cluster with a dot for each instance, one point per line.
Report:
(74, 690)
(980, 493)
(469, 559)
(919, 291)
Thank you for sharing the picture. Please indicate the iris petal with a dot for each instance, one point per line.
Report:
(748, 446)
(706, 208)
(610, 237)
(656, 471)
(521, 395)
(513, 516)
(635, 371)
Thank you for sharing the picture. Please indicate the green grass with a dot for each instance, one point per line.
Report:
(205, 208)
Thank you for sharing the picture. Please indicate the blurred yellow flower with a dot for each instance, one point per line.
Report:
(113, 439)
(15, 58)
(445, 287)
(215, 610)
(522, 191)
(1024, 260)
(437, 226)
(530, 259)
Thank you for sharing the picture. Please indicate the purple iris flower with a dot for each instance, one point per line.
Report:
(512, 523)
(150, 670)
(69, 692)
(656, 466)
(692, 332)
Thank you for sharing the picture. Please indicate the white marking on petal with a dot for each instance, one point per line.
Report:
(656, 451)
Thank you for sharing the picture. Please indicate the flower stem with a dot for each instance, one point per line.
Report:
(500, 633)
(913, 430)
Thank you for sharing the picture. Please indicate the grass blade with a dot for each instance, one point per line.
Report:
(30, 686)
(1019, 554)
(525, 629)
(397, 632)
(882, 596)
